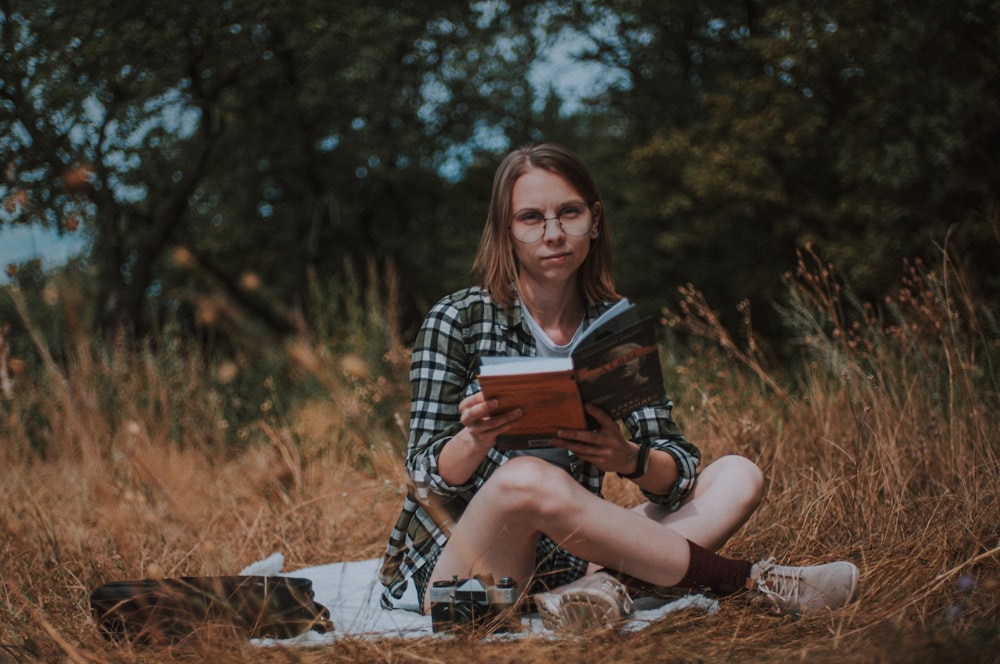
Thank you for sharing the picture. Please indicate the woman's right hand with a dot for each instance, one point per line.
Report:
(482, 421)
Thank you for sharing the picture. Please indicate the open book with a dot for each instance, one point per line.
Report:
(615, 365)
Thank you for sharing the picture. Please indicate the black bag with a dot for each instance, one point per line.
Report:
(169, 609)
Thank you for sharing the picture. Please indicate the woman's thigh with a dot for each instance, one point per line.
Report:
(498, 532)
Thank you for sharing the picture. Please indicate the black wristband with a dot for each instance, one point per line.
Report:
(641, 463)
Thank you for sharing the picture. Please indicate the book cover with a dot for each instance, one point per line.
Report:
(621, 372)
(615, 365)
(550, 400)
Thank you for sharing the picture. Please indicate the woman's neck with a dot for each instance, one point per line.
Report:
(559, 314)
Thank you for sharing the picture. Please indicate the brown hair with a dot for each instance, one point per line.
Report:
(496, 265)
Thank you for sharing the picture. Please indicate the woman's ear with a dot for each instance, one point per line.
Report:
(596, 211)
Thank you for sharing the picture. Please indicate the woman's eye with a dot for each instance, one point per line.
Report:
(571, 211)
(529, 217)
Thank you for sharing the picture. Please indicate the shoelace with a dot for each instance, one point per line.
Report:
(780, 585)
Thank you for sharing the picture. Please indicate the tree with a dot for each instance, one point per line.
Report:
(273, 142)
(665, 60)
(278, 144)
(867, 129)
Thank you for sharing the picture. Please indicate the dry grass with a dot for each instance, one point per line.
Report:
(882, 450)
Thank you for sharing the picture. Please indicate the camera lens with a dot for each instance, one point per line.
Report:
(462, 613)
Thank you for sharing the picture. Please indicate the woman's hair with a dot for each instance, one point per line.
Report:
(496, 265)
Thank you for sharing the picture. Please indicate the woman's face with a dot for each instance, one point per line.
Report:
(556, 256)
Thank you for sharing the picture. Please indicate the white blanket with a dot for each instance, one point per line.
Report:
(351, 591)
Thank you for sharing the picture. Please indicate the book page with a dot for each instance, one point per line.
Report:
(510, 366)
(621, 315)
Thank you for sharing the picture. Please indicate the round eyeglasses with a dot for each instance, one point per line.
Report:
(529, 226)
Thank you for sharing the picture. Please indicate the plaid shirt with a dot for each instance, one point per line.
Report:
(457, 331)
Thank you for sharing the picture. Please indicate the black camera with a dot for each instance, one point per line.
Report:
(476, 604)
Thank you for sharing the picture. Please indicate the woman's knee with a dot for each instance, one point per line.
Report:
(530, 484)
(742, 476)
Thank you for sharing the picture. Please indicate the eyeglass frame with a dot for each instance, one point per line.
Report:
(557, 219)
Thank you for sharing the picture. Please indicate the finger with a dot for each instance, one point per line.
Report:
(471, 401)
(473, 409)
(599, 414)
(578, 441)
(504, 419)
(491, 422)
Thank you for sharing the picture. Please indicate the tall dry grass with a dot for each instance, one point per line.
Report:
(879, 443)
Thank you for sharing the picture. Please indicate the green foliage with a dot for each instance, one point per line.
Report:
(289, 145)
(277, 140)
(874, 145)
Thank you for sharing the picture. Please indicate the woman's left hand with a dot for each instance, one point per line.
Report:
(606, 447)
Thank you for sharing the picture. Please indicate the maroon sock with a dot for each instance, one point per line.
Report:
(707, 570)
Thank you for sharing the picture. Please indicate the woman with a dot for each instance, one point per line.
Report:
(545, 270)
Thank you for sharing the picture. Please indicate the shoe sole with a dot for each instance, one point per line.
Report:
(855, 577)
(577, 613)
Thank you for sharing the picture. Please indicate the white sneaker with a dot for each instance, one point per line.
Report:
(594, 600)
(804, 589)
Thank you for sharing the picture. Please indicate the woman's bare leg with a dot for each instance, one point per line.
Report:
(527, 497)
(725, 495)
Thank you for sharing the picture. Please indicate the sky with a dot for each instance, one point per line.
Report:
(22, 243)
(558, 70)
